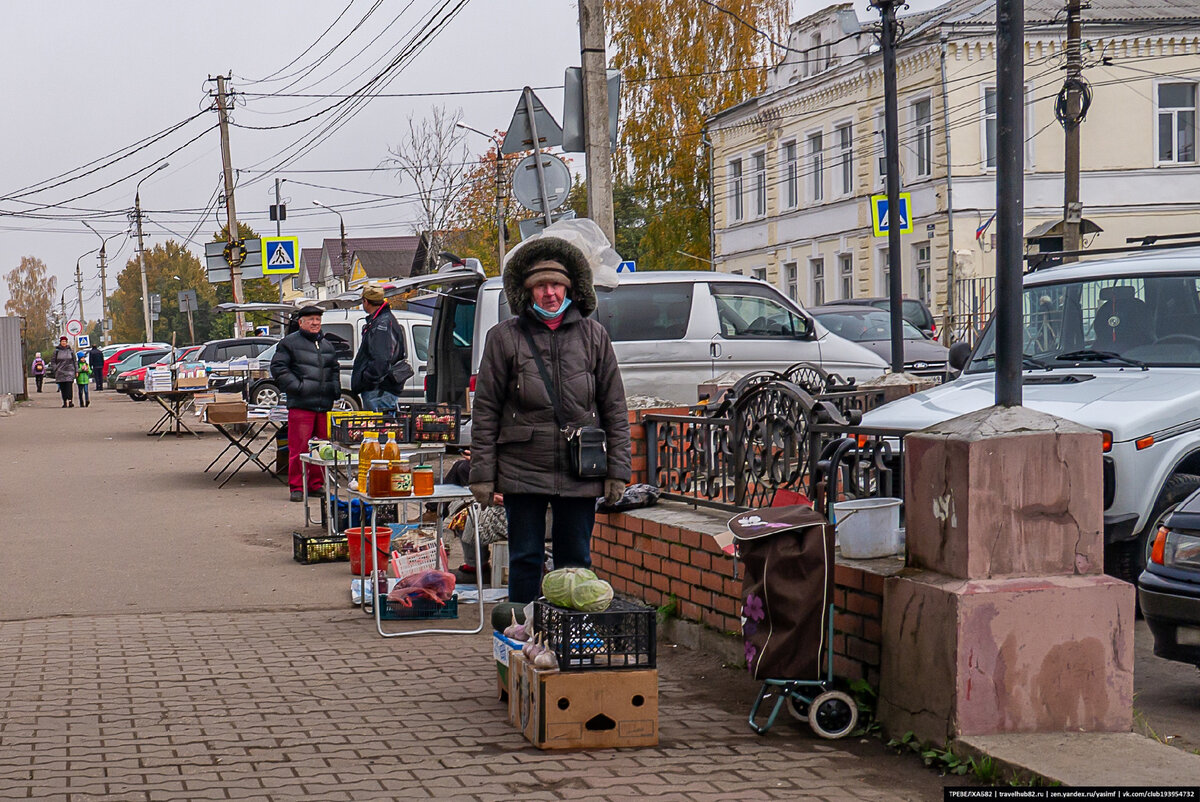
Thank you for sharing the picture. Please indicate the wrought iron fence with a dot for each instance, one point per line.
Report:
(775, 436)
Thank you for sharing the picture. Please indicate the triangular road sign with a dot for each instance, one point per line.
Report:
(519, 137)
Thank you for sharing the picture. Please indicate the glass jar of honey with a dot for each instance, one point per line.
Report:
(422, 480)
(402, 479)
(378, 482)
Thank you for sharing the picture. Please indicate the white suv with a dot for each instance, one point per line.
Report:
(1114, 345)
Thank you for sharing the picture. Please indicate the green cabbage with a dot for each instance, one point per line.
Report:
(592, 596)
(558, 586)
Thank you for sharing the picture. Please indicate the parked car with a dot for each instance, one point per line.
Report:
(1169, 588)
(1112, 344)
(343, 327)
(221, 351)
(872, 328)
(131, 373)
(118, 355)
(914, 311)
(671, 331)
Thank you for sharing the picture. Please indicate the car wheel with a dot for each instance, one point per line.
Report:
(266, 394)
(1127, 559)
(347, 403)
(136, 396)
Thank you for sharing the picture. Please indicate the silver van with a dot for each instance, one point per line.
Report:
(671, 331)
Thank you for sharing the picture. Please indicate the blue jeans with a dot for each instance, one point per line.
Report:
(379, 400)
(570, 536)
(84, 396)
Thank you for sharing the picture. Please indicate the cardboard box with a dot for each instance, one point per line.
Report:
(226, 412)
(583, 710)
(502, 647)
(191, 376)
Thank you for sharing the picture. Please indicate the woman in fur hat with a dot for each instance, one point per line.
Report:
(517, 446)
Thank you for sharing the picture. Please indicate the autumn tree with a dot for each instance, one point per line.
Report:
(682, 61)
(31, 296)
(163, 263)
(254, 290)
(431, 158)
(472, 227)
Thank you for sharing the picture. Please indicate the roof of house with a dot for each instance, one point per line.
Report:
(333, 246)
(1052, 12)
(387, 264)
(310, 260)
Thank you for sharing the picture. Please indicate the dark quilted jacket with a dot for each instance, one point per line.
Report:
(515, 441)
(307, 370)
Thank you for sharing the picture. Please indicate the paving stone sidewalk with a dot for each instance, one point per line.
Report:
(314, 705)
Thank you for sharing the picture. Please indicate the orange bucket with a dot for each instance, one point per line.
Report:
(382, 538)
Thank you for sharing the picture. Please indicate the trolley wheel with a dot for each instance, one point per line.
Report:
(797, 708)
(833, 714)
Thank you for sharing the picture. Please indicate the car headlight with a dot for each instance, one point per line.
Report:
(1176, 550)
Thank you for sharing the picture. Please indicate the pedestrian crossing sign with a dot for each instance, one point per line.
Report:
(280, 255)
(879, 214)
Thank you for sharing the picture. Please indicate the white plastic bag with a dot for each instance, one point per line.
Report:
(585, 235)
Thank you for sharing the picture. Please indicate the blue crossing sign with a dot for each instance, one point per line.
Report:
(879, 214)
(627, 267)
(280, 255)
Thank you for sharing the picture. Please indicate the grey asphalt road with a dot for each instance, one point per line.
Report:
(1166, 695)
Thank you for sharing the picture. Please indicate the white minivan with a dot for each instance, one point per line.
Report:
(671, 331)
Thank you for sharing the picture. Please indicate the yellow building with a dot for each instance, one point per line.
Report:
(794, 169)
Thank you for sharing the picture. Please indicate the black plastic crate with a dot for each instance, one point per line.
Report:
(623, 636)
(307, 550)
(421, 610)
(349, 430)
(431, 423)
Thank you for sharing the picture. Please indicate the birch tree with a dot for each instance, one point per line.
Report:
(31, 296)
(682, 61)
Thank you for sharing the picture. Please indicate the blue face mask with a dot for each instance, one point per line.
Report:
(547, 315)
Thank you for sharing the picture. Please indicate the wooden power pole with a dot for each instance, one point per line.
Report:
(1072, 89)
(597, 147)
(235, 269)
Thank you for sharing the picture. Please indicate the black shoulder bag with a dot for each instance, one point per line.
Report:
(587, 445)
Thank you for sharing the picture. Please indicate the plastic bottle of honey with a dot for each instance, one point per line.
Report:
(391, 449)
(367, 452)
(379, 481)
(402, 480)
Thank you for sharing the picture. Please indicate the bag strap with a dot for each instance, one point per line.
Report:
(541, 366)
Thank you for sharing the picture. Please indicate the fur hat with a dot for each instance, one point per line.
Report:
(533, 257)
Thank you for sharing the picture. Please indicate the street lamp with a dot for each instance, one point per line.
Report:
(345, 267)
(104, 329)
(137, 213)
(499, 195)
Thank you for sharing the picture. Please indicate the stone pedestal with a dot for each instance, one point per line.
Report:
(1003, 621)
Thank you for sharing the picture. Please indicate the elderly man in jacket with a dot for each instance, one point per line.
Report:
(305, 367)
(381, 365)
(518, 448)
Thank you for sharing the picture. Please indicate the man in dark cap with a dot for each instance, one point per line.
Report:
(305, 367)
(381, 365)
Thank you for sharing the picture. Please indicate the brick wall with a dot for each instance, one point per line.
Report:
(668, 551)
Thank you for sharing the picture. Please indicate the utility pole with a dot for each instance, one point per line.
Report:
(137, 213)
(79, 290)
(499, 191)
(1010, 197)
(891, 118)
(597, 147)
(235, 270)
(1072, 94)
(279, 230)
(104, 335)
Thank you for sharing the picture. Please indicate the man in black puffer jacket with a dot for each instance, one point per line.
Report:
(306, 368)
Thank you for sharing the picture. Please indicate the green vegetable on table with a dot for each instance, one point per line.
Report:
(577, 589)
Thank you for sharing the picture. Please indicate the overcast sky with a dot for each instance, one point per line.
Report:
(88, 79)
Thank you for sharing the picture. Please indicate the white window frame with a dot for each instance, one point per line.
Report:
(1174, 161)
(923, 271)
(881, 260)
(790, 169)
(922, 138)
(844, 136)
(1029, 129)
(759, 273)
(737, 197)
(759, 182)
(814, 142)
(846, 277)
(816, 280)
(791, 280)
